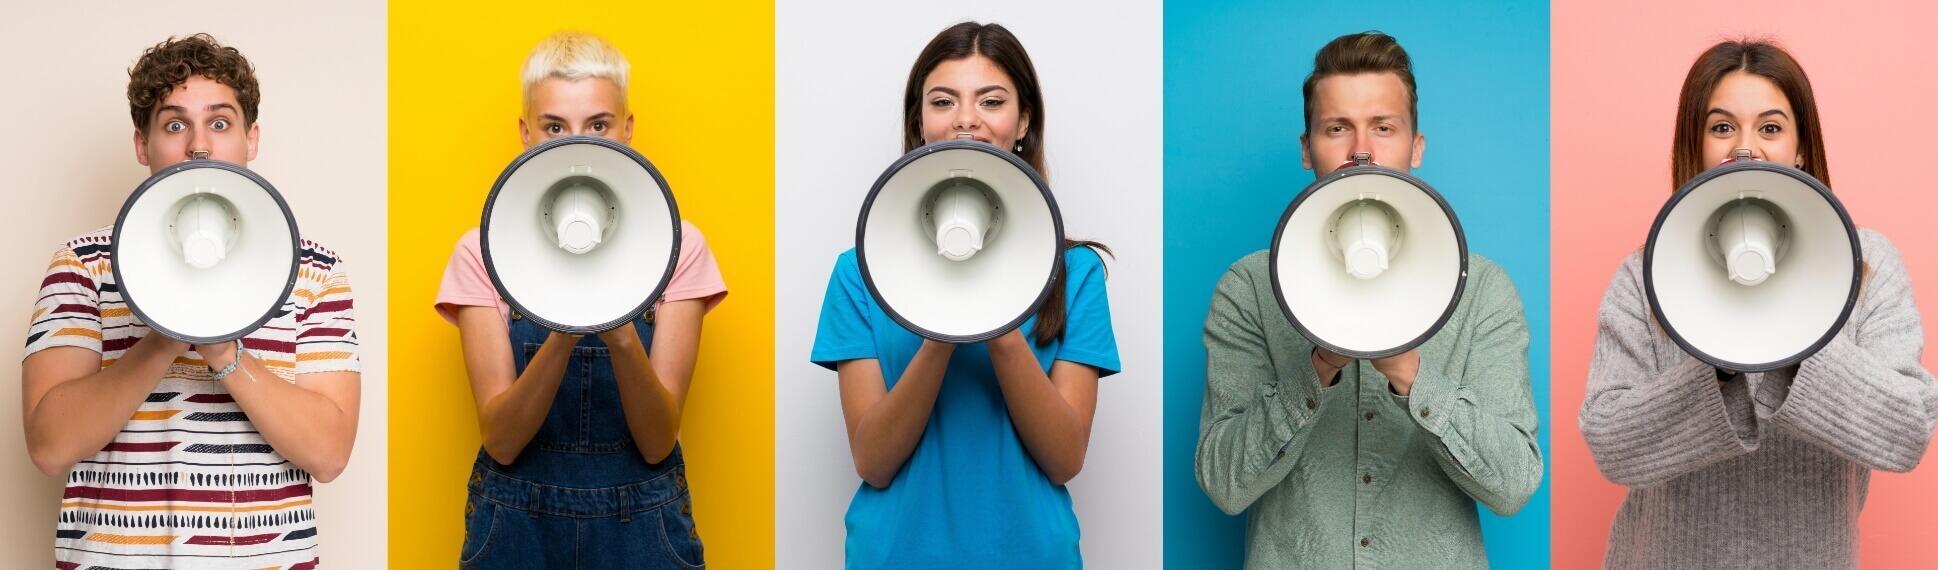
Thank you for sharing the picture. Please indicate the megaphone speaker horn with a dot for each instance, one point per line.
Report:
(205, 251)
(580, 234)
(1752, 266)
(1368, 262)
(959, 241)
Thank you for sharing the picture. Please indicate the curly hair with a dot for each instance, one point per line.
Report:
(172, 62)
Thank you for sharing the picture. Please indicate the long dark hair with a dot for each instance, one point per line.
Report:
(996, 43)
(1761, 58)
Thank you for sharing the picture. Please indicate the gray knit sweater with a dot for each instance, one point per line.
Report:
(1765, 470)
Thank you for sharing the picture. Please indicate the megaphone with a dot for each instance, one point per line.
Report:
(1752, 266)
(1368, 262)
(959, 241)
(580, 234)
(205, 251)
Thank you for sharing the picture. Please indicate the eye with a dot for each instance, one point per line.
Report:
(175, 126)
(1336, 129)
(599, 127)
(942, 102)
(1384, 129)
(219, 125)
(992, 102)
(554, 129)
(1770, 128)
(1722, 128)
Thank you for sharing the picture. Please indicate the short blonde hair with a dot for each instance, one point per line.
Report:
(574, 56)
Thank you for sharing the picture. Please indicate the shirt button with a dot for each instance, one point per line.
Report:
(1367, 478)
(1425, 411)
(1281, 455)
(1365, 542)
(1311, 404)
(1369, 416)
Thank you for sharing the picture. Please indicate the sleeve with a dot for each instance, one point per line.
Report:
(466, 284)
(1865, 396)
(326, 330)
(1253, 428)
(68, 312)
(1648, 422)
(1088, 338)
(844, 333)
(1485, 421)
(697, 274)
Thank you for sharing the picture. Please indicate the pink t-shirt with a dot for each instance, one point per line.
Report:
(696, 276)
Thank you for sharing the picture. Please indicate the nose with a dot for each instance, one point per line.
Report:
(198, 144)
(1362, 145)
(965, 119)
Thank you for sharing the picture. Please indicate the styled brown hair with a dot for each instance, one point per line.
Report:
(1761, 58)
(1364, 52)
(172, 62)
(996, 43)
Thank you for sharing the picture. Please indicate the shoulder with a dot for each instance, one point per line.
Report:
(318, 254)
(1878, 250)
(1252, 268)
(1082, 260)
(92, 244)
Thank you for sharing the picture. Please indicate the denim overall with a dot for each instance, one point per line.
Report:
(579, 495)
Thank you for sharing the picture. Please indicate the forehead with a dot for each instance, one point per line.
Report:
(196, 94)
(576, 97)
(973, 72)
(1741, 91)
(1360, 94)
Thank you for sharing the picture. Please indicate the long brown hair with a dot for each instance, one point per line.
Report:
(1761, 58)
(996, 43)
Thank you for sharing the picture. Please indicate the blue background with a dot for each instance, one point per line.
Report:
(1232, 116)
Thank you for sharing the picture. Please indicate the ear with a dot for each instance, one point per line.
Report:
(255, 138)
(1023, 127)
(141, 147)
(524, 132)
(1419, 149)
(1305, 153)
(626, 132)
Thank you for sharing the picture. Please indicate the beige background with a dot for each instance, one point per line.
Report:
(66, 164)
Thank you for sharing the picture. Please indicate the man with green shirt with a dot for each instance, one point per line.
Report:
(1377, 463)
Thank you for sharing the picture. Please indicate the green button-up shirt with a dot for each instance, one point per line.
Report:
(1355, 475)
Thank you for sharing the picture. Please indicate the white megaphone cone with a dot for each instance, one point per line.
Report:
(1752, 266)
(205, 251)
(958, 241)
(1339, 271)
(580, 234)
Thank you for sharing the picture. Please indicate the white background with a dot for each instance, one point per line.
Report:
(839, 80)
(69, 163)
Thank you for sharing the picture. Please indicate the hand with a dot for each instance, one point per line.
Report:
(1012, 340)
(624, 336)
(1327, 365)
(218, 355)
(1399, 370)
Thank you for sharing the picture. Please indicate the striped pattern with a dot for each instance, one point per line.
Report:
(189, 481)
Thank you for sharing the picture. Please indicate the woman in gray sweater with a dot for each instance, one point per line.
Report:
(1766, 469)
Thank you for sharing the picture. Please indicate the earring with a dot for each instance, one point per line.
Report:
(1019, 147)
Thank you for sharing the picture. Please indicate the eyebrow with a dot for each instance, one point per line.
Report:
(551, 117)
(1777, 112)
(184, 110)
(952, 92)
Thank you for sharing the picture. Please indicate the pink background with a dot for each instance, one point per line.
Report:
(1617, 68)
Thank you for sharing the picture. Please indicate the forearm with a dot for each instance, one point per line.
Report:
(307, 428)
(1486, 434)
(889, 430)
(652, 413)
(1052, 431)
(77, 418)
(510, 419)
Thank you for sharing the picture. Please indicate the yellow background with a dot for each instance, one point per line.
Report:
(702, 89)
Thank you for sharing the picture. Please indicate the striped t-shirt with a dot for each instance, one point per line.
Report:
(189, 482)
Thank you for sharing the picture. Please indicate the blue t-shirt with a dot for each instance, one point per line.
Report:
(969, 496)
